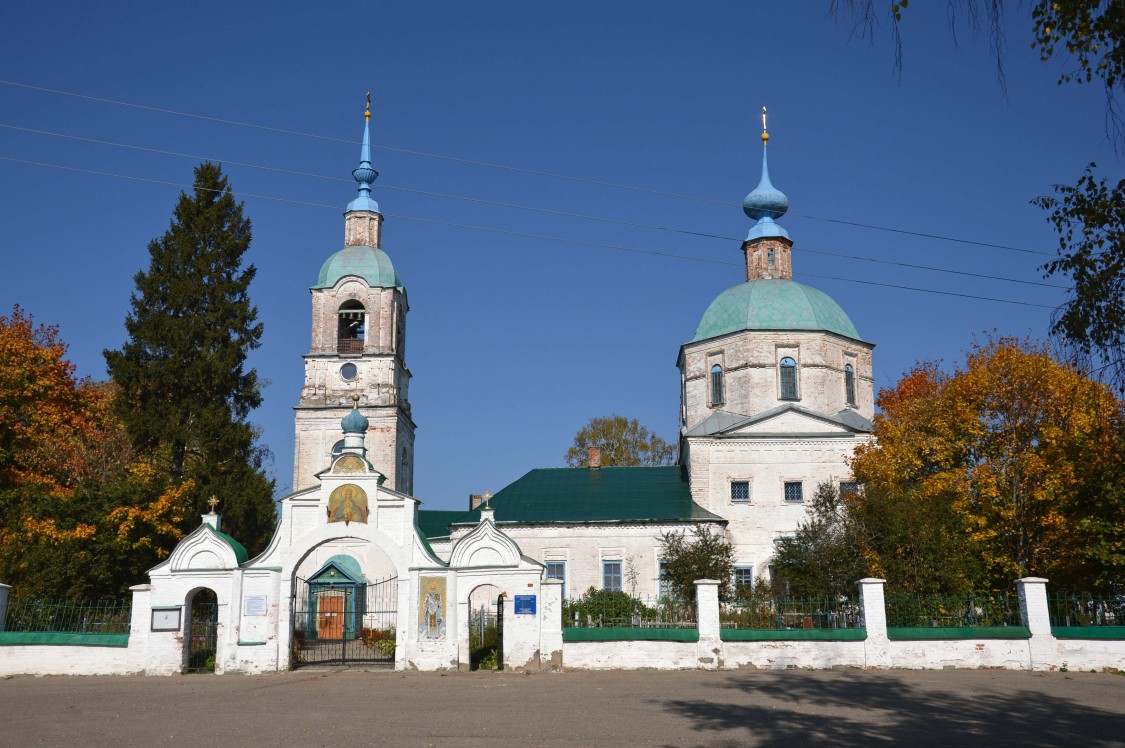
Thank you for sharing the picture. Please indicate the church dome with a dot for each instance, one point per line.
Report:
(370, 263)
(354, 422)
(772, 304)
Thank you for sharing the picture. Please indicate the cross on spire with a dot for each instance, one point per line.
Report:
(212, 502)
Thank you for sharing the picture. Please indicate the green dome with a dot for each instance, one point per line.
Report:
(369, 263)
(773, 305)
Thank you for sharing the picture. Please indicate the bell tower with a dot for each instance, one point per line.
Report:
(358, 352)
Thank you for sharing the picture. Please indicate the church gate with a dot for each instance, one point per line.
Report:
(339, 621)
(202, 627)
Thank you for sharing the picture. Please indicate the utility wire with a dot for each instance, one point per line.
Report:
(507, 167)
(508, 232)
(516, 206)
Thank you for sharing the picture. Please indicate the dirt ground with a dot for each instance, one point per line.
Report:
(636, 708)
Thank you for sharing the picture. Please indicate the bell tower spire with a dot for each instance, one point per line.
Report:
(767, 245)
(362, 220)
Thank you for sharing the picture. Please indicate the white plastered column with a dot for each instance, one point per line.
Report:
(550, 623)
(877, 647)
(709, 650)
(1035, 614)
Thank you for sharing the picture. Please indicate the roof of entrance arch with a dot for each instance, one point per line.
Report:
(773, 304)
(369, 263)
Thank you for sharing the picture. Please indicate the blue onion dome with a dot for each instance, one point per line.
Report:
(775, 305)
(354, 422)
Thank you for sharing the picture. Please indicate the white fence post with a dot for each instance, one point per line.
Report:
(710, 648)
(877, 647)
(1035, 614)
(4, 589)
(550, 623)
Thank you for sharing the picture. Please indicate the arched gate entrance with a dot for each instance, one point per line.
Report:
(339, 618)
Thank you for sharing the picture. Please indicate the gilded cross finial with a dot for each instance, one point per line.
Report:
(212, 502)
(367, 112)
(355, 398)
(765, 135)
(487, 497)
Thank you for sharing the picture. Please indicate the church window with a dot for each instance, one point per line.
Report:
(337, 449)
(743, 580)
(771, 259)
(849, 384)
(716, 385)
(848, 487)
(350, 329)
(740, 491)
(348, 372)
(664, 582)
(611, 576)
(788, 379)
(794, 492)
(557, 570)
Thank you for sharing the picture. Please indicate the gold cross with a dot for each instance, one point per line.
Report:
(367, 113)
(487, 497)
(212, 502)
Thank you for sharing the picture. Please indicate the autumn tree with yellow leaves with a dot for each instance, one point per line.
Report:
(81, 513)
(1012, 465)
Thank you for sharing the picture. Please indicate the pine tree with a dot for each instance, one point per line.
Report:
(185, 389)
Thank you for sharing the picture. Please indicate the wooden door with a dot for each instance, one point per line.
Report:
(330, 616)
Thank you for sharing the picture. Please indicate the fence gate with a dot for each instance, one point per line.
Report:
(339, 624)
(202, 632)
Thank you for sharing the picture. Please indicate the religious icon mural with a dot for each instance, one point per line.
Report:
(349, 464)
(431, 608)
(347, 503)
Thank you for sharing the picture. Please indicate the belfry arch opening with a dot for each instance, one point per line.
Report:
(351, 327)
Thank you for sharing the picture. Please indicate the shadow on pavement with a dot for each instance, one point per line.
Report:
(789, 708)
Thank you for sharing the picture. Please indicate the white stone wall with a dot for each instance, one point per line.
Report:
(751, 379)
(630, 655)
(64, 660)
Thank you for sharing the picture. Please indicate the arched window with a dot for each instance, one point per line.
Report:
(849, 384)
(350, 327)
(337, 449)
(788, 379)
(771, 260)
(716, 385)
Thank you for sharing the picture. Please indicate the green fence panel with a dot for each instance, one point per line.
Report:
(767, 635)
(619, 634)
(1088, 632)
(923, 633)
(25, 638)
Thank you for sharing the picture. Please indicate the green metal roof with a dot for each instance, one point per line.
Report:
(773, 304)
(611, 494)
(370, 263)
(434, 523)
(239, 550)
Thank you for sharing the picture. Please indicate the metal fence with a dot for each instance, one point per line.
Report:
(1068, 609)
(68, 616)
(791, 613)
(973, 609)
(603, 608)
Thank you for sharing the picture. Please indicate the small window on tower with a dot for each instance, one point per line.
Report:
(716, 385)
(788, 379)
(771, 259)
(849, 384)
(348, 372)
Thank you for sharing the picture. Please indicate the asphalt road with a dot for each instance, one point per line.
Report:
(637, 708)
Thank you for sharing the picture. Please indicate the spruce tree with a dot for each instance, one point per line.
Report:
(186, 391)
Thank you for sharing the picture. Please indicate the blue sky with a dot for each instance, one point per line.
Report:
(515, 342)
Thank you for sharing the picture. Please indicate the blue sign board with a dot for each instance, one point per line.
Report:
(525, 605)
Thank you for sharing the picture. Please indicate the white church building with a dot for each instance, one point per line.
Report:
(776, 392)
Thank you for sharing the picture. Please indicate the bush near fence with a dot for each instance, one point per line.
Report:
(617, 609)
(770, 612)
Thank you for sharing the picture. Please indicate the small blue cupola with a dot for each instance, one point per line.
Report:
(766, 203)
(364, 174)
(354, 425)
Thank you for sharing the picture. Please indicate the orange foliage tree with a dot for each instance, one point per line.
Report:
(81, 513)
(1017, 457)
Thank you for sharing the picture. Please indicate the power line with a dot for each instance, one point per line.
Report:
(524, 234)
(516, 206)
(508, 167)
